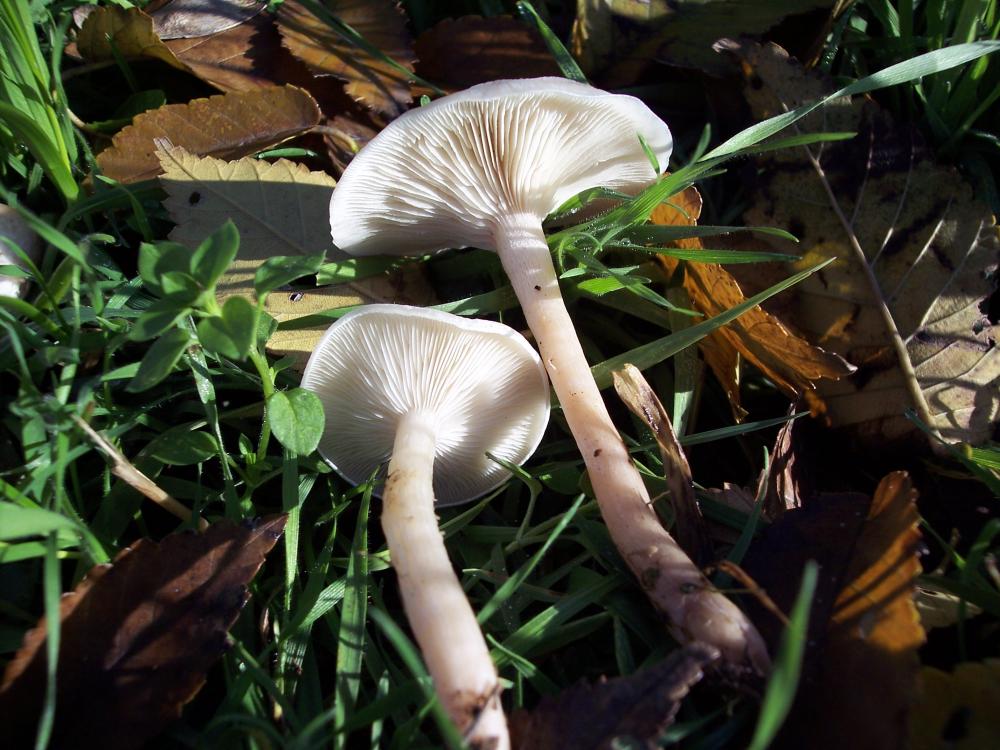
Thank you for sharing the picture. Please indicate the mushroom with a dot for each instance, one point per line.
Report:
(432, 394)
(15, 229)
(483, 168)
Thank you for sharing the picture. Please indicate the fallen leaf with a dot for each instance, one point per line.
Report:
(127, 31)
(344, 137)
(369, 79)
(864, 633)
(460, 52)
(618, 39)
(958, 711)
(228, 126)
(792, 473)
(932, 247)
(279, 208)
(689, 527)
(241, 58)
(630, 711)
(137, 638)
(791, 362)
(180, 19)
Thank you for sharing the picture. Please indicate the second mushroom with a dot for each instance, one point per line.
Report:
(432, 394)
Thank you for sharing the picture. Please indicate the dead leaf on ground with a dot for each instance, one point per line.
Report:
(344, 138)
(228, 126)
(933, 248)
(241, 58)
(368, 79)
(861, 661)
(958, 711)
(791, 362)
(127, 31)
(616, 40)
(689, 526)
(181, 19)
(460, 52)
(137, 638)
(280, 208)
(628, 711)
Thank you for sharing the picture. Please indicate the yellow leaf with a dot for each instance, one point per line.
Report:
(128, 31)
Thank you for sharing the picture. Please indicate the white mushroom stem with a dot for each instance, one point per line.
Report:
(675, 585)
(436, 606)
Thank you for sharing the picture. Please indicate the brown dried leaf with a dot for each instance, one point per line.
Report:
(344, 137)
(791, 362)
(461, 52)
(182, 19)
(933, 249)
(369, 79)
(642, 401)
(242, 58)
(228, 126)
(280, 208)
(864, 631)
(137, 638)
(628, 711)
(128, 31)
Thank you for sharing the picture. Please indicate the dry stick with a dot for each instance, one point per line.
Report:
(902, 355)
(694, 609)
(124, 470)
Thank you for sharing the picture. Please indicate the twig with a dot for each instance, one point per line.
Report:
(123, 469)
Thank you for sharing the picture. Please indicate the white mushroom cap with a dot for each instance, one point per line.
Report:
(439, 176)
(479, 383)
(14, 228)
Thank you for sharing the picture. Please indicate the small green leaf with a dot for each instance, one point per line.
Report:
(282, 269)
(215, 254)
(296, 419)
(160, 316)
(233, 333)
(157, 260)
(267, 325)
(160, 360)
(183, 448)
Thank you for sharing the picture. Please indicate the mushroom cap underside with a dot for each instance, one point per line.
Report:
(479, 383)
(441, 175)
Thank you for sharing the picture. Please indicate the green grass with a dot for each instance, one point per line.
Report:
(125, 333)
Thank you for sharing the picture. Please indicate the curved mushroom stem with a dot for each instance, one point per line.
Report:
(439, 612)
(693, 609)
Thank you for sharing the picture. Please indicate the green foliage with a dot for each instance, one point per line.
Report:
(296, 418)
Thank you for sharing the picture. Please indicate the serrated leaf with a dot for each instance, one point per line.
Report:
(281, 209)
(296, 419)
(368, 78)
(932, 247)
(228, 126)
(127, 31)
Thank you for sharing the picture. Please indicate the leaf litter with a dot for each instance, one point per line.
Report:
(137, 637)
(932, 247)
